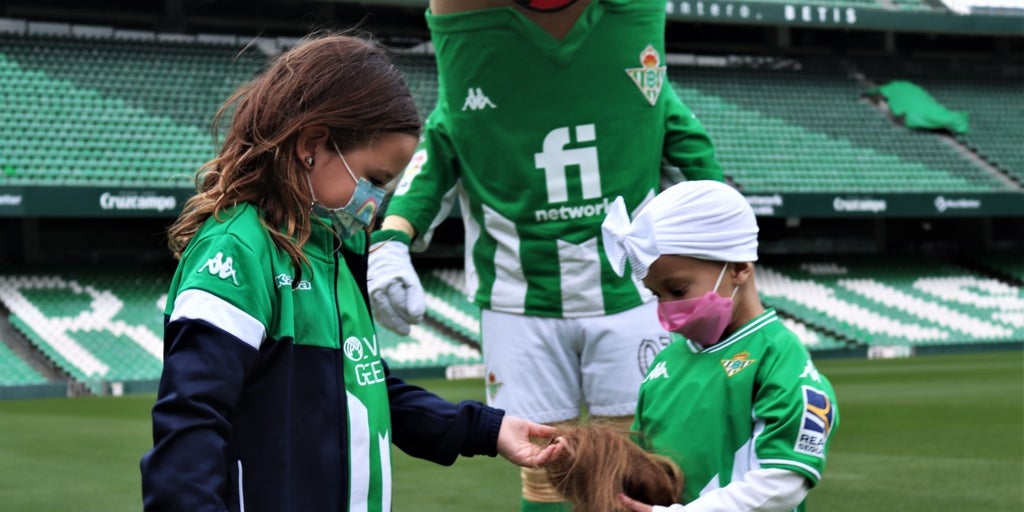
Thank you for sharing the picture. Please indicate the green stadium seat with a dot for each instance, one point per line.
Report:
(126, 96)
(16, 372)
(900, 301)
(808, 131)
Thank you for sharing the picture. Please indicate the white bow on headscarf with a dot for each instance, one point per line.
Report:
(707, 220)
(628, 240)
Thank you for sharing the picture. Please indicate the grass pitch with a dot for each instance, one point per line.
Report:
(922, 434)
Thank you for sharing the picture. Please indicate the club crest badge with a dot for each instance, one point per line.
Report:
(650, 76)
(737, 363)
(493, 385)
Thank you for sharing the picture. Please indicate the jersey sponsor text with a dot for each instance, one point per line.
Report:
(580, 211)
(555, 158)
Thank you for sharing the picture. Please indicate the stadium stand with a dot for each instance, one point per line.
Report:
(136, 113)
(16, 372)
(447, 302)
(1011, 265)
(982, 90)
(425, 347)
(896, 301)
(814, 339)
(807, 130)
(420, 72)
(126, 112)
(93, 326)
(907, 5)
(104, 326)
(107, 326)
(127, 117)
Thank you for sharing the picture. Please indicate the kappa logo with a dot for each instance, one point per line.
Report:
(819, 415)
(221, 267)
(737, 363)
(650, 76)
(659, 371)
(477, 100)
(811, 371)
(282, 280)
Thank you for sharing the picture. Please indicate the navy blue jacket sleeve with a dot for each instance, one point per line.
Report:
(429, 427)
(204, 370)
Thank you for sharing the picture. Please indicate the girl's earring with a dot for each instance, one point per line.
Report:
(309, 160)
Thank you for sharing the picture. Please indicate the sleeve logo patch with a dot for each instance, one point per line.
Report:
(419, 159)
(221, 267)
(817, 422)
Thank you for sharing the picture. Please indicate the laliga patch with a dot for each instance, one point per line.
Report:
(737, 363)
(817, 423)
(650, 76)
(411, 170)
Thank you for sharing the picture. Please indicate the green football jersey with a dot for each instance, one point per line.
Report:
(536, 137)
(250, 288)
(754, 400)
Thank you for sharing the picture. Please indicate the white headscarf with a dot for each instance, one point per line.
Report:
(708, 220)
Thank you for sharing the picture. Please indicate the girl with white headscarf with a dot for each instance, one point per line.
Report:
(735, 400)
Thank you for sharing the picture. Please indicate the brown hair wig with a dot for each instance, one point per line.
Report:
(597, 462)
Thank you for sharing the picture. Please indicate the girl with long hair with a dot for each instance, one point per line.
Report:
(274, 395)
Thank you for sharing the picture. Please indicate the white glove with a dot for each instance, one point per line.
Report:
(396, 295)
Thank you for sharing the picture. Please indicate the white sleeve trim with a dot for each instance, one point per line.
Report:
(761, 490)
(202, 305)
(422, 240)
(784, 462)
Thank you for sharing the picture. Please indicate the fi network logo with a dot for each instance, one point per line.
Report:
(555, 158)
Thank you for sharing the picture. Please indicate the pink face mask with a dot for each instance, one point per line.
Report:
(701, 319)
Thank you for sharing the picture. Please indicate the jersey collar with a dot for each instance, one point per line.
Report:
(506, 18)
(747, 329)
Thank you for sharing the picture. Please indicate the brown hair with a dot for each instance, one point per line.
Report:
(597, 462)
(344, 83)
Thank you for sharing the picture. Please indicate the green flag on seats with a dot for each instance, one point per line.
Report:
(918, 109)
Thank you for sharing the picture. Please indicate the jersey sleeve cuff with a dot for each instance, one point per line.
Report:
(388, 235)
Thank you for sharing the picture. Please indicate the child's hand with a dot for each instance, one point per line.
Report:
(634, 505)
(515, 445)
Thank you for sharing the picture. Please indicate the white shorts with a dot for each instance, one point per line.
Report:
(546, 369)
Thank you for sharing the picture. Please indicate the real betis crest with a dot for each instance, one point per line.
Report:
(492, 385)
(737, 363)
(651, 76)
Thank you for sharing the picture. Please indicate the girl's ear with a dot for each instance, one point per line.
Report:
(742, 272)
(310, 138)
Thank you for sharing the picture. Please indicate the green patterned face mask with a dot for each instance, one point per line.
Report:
(360, 210)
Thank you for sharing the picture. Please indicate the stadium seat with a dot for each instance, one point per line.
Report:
(807, 130)
(16, 372)
(898, 301)
(127, 112)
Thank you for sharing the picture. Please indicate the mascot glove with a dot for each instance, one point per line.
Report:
(396, 295)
